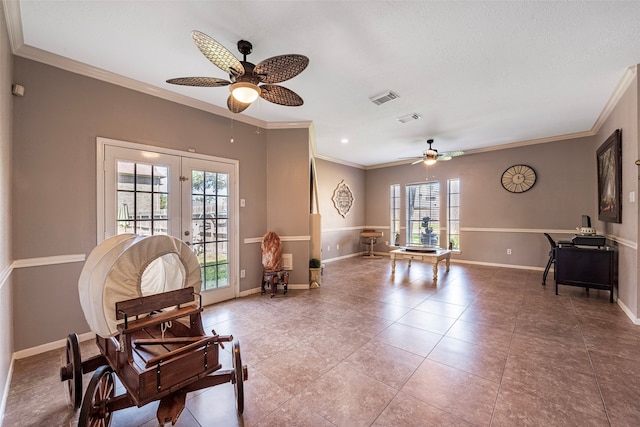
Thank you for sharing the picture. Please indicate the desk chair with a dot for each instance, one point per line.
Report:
(552, 254)
(272, 274)
(552, 257)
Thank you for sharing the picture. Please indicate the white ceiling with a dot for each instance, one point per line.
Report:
(480, 74)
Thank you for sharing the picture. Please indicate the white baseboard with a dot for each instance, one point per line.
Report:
(5, 394)
(357, 254)
(258, 290)
(50, 346)
(628, 312)
(494, 264)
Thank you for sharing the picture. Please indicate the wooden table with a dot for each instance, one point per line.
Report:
(369, 237)
(434, 257)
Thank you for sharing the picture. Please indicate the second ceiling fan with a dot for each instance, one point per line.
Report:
(430, 156)
(248, 81)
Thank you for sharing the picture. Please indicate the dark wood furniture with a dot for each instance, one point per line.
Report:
(587, 267)
(160, 352)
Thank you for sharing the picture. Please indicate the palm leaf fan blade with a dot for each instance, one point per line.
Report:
(280, 68)
(280, 95)
(219, 55)
(199, 81)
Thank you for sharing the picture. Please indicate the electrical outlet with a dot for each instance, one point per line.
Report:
(337, 247)
(328, 248)
(508, 251)
(242, 274)
(386, 243)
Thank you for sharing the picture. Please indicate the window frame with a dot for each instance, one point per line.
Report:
(395, 208)
(432, 211)
(453, 213)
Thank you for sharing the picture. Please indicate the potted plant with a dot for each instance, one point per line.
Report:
(314, 273)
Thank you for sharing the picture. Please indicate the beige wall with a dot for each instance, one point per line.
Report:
(565, 189)
(55, 130)
(341, 235)
(288, 196)
(6, 320)
(625, 116)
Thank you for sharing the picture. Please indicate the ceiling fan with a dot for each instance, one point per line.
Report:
(430, 156)
(248, 81)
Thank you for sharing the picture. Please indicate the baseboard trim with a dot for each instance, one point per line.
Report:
(628, 312)
(54, 345)
(357, 254)
(5, 394)
(303, 286)
(494, 264)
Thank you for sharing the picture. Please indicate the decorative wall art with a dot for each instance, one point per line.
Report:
(342, 198)
(609, 158)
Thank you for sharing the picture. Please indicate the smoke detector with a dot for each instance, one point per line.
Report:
(384, 97)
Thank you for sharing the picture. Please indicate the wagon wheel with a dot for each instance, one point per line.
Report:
(72, 371)
(101, 389)
(239, 380)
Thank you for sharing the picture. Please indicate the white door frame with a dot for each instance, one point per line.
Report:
(101, 142)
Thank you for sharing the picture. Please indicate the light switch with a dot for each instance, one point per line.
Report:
(632, 197)
(242, 203)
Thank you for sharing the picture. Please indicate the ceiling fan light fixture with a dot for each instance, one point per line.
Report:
(245, 92)
(430, 161)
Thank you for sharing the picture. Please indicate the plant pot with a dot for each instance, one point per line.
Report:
(314, 278)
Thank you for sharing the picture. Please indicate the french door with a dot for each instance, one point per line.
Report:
(158, 192)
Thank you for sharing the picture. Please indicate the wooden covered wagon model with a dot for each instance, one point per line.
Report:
(140, 295)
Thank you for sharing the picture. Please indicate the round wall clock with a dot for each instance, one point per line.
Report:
(518, 178)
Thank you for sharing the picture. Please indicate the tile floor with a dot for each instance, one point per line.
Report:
(485, 347)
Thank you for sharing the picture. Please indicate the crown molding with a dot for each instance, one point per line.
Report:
(16, 38)
(13, 18)
(305, 124)
(501, 147)
(624, 83)
(341, 162)
(39, 55)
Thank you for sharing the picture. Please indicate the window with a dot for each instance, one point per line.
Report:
(423, 214)
(453, 217)
(394, 198)
(142, 198)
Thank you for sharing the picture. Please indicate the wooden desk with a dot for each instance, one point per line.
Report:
(434, 257)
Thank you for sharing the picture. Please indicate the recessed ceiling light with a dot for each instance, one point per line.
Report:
(344, 140)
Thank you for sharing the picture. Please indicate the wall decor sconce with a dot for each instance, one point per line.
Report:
(342, 198)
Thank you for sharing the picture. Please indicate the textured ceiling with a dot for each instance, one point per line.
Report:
(480, 74)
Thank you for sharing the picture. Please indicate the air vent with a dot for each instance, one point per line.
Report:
(409, 118)
(384, 97)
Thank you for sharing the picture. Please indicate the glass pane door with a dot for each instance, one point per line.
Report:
(207, 190)
(192, 199)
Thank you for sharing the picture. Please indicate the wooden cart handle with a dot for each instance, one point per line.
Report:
(168, 341)
(175, 353)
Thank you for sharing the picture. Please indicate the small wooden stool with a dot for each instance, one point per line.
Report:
(273, 278)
